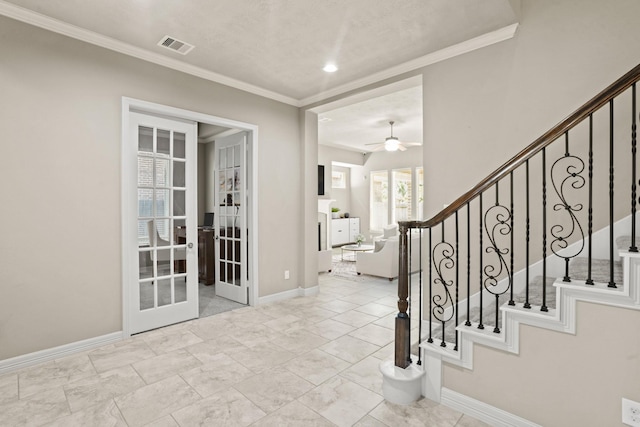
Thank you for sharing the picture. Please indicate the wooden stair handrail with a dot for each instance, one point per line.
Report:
(619, 86)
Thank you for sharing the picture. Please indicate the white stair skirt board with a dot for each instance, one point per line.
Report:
(482, 411)
(26, 360)
(401, 386)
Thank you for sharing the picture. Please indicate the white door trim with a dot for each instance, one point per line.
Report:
(131, 104)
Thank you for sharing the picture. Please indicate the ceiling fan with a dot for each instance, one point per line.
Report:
(392, 143)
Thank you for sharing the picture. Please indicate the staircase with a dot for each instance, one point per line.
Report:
(558, 210)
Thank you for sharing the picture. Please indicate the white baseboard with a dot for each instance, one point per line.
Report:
(482, 411)
(26, 360)
(293, 293)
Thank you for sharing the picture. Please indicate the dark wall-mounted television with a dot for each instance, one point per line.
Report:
(320, 180)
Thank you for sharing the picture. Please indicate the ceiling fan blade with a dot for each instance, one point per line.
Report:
(401, 147)
(374, 143)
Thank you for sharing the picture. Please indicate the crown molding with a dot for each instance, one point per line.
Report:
(39, 20)
(479, 42)
(42, 21)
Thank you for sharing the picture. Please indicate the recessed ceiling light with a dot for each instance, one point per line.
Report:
(330, 68)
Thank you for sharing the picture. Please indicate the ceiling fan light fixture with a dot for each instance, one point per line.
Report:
(330, 68)
(391, 144)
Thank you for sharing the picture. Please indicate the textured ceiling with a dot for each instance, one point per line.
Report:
(282, 45)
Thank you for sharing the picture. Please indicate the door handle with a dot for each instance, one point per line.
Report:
(190, 245)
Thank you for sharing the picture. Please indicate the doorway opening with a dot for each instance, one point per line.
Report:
(193, 186)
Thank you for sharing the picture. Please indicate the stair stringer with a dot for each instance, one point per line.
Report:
(562, 319)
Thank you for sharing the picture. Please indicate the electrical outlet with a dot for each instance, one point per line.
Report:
(286, 275)
(630, 413)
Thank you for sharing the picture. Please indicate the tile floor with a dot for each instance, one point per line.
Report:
(309, 361)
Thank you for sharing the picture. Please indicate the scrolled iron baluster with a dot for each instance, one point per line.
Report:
(566, 174)
(443, 261)
(497, 222)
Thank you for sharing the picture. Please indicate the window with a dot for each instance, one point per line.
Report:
(405, 191)
(379, 205)
(338, 179)
(402, 195)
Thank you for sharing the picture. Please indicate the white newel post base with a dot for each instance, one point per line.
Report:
(401, 386)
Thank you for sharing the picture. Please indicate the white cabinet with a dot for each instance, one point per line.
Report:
(344, 230)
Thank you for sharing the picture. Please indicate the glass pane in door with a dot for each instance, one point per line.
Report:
(161, 217)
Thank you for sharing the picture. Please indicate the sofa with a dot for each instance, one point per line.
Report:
(383, 262)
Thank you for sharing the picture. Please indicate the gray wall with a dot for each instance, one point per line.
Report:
(60, 115)
(489, 104)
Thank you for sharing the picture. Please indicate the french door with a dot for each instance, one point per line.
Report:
(163, 281)
(231, 218)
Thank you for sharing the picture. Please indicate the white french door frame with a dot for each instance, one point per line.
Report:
(145, 107)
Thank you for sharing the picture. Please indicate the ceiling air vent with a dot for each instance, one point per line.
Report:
(175, 45)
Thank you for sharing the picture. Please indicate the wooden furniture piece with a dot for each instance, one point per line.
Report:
(206, 252)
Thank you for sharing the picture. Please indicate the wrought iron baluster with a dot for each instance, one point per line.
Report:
(420, 297)
(544, 230)
(566, 175)
(480, 325)
(511, 302)
(633, 247)
(497, 220)
(430, 340)
(468, 322)
(443, 260)
(612, 283)
(589, 280)
(527, 237)
(455, 307)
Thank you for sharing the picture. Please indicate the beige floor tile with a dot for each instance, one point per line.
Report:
(299, 341)
(366, 373)
(273, 389)
(418, 414)
(262, 357)
(314, 314)
(339, 306)
(121, 354)
(317, 366)
(349, 349)
(341, 401)
(330, 329)
(166, 365)
(8, 388)
(388, 321)
(254, 335)
(219, 373)
(385, 352)
(211, 327)
(54, 374)
(283, 323)
(358, 298)
(204, 351)
(355, 318)
(172, 340)
(228, 408)
(102, 387)
(374, 334)
(467, 421)
(166, 421)
(369, 421)
(374, 309)
(41, 408)
(103, 414)
(156, 400)
(391, 301)
(293, 414)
